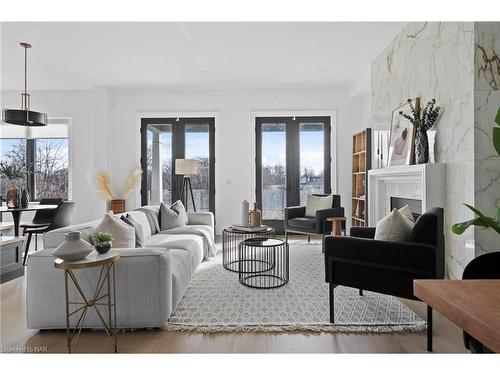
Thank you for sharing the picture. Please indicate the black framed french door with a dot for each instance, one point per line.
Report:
(163, 140)
(293, 160)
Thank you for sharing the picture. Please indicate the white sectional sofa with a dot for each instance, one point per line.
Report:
(150, 281)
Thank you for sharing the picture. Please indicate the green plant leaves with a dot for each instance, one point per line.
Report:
(481, 221)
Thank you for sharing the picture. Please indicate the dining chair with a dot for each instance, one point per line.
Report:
(42, 218)
(62, 218)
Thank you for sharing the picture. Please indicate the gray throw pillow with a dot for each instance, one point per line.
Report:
(153, 216)
(139, 232)
(173, 216)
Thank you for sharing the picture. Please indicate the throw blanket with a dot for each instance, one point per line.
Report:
(199, 230)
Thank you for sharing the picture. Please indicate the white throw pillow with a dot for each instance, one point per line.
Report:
(141, 218)
(173, 216)
(393, 227)
(122, 233)
(406, 212)
(315, 203)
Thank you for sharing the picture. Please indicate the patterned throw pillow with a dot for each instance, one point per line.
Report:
(173, 216)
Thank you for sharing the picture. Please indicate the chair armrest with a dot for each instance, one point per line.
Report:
(363, 232)
(381, 254)
(294, 211)
(321, 215)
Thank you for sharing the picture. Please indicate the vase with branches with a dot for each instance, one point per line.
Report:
(102, 185)
(422, 120)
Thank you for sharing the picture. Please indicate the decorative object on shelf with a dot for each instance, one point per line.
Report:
(25, 198)
(186, 168)
(73, 248)
(255, 216)
(422, 120)
(102, 186)
(24, 116)
(401, 138)
(245, 209)
(361, 164)
(482, 220)
(102, 241)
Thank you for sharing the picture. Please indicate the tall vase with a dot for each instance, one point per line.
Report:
(255, 216)
(25, 198)
(421, 147)
(12, 197)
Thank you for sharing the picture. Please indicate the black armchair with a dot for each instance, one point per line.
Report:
(387, 267)
(297, 222)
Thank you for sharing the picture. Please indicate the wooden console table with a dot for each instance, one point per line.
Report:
(473, 305)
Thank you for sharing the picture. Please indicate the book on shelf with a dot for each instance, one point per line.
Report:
(243, 228)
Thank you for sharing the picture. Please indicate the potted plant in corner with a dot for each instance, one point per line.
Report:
(102, 241)
(422, 120)
(482, 220)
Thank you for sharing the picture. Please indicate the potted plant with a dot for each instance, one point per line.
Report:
(103, 187)
(102, 242)
(422, 120)
(482, 220)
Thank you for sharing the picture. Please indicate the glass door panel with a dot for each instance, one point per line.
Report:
(197, 147)
(159, 163)
(273, 171)
(312, 159)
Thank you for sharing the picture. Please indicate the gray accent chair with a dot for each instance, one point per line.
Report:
(296, 220)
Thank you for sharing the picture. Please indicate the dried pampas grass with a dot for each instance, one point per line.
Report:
(103, 185)
(132, 181)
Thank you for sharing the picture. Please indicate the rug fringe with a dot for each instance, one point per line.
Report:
(311, 329)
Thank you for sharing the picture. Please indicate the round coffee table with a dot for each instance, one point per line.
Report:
(231, 239)
(256, 252)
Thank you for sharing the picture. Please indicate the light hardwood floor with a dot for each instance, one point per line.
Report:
(15, 336)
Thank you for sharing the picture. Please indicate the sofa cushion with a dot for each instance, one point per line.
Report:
(306, 223)
(188, 242)
(141, 218)
(139, 233)
(173, 216)
(393, 227)
(315, 203)
(153, 216)
(123, 234)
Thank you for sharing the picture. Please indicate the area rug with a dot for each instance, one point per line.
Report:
(215, 302)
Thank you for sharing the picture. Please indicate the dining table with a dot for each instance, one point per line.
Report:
(17, 211)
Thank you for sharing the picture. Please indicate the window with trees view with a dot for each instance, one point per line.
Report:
(167, 139)
(35, 162)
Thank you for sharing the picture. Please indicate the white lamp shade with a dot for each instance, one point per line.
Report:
(186, 167)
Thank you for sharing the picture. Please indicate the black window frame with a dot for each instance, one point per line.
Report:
(292, 133)
(178, 152)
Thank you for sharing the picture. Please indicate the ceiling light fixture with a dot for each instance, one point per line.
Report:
(24, 116)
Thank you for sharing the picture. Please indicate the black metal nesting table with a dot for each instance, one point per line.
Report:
(263, 263)
(231, 239)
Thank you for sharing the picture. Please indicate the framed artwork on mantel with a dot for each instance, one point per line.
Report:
(401, 145)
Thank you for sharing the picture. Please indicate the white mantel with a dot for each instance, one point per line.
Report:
(426, 182)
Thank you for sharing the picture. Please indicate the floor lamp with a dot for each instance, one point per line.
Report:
(186, 168)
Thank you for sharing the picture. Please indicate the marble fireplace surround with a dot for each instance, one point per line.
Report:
(425, 182)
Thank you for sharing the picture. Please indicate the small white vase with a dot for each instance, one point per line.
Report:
(73, 248)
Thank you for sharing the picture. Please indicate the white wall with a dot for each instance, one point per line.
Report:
(234, 134)
(105, 134)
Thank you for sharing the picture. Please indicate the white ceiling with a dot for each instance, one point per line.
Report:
(191, 55)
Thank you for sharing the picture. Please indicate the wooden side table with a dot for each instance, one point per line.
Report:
(107, 275)
(336, 225)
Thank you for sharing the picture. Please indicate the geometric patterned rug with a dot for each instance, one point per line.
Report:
(216, 302)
